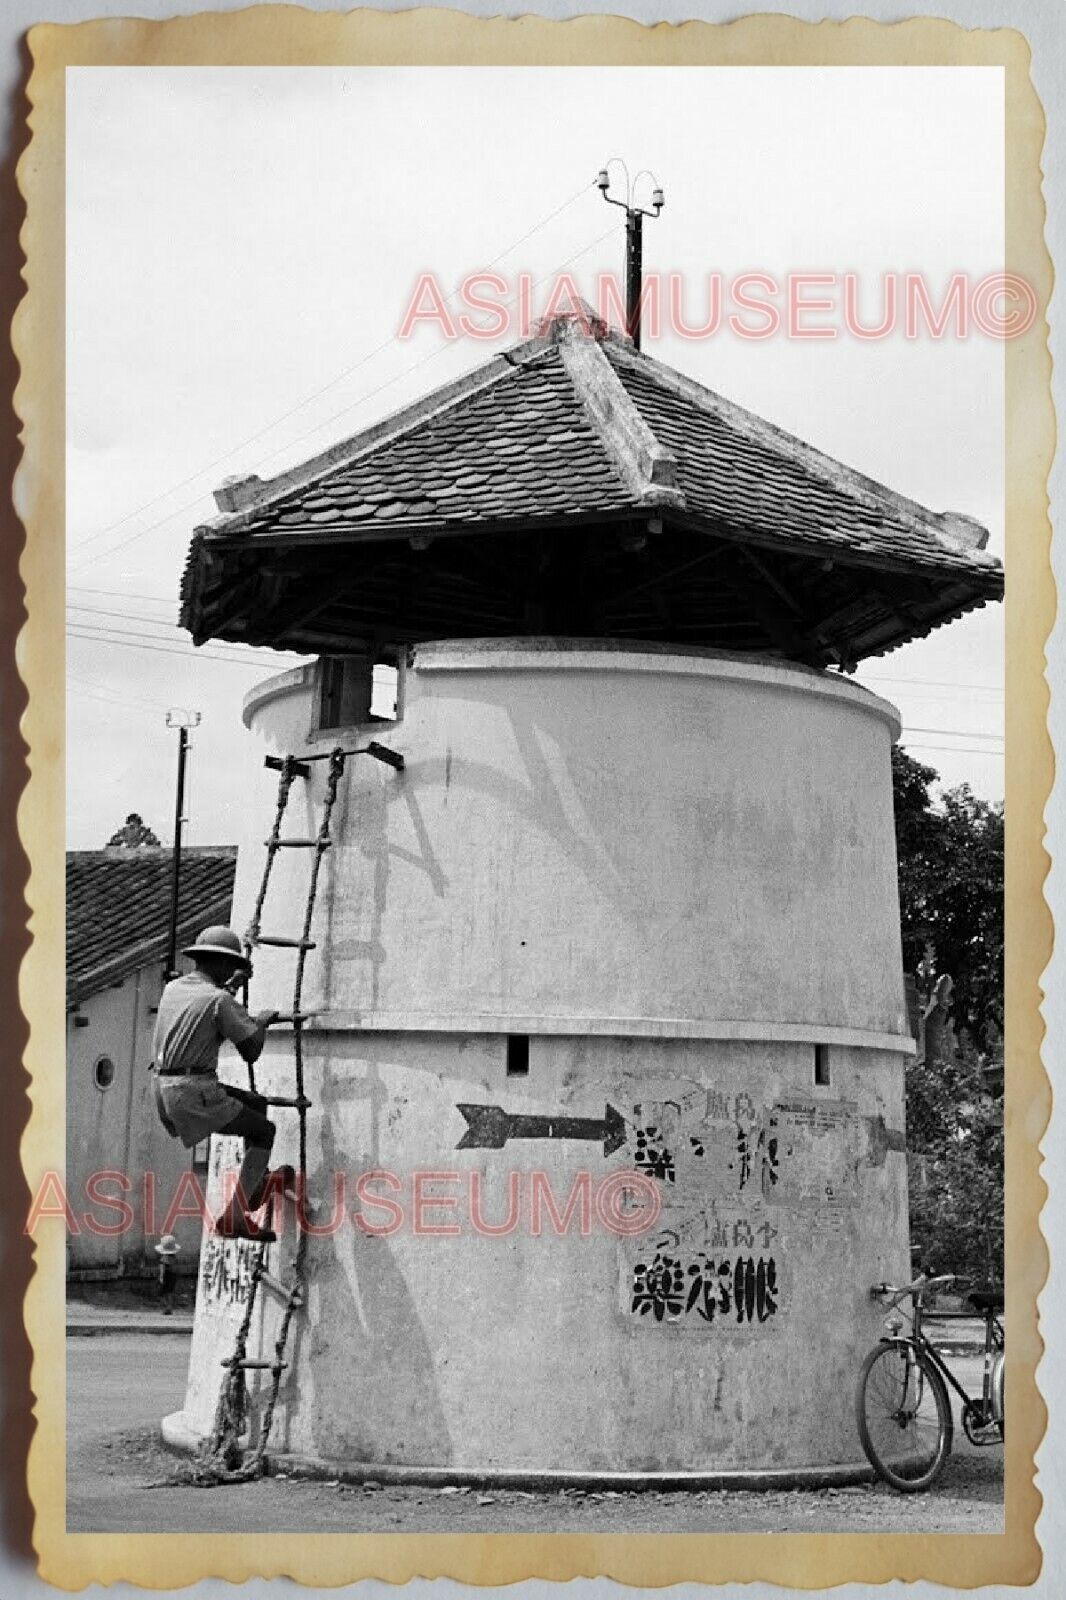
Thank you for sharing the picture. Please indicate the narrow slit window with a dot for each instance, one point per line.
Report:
(518, 1055)
(821, 1065)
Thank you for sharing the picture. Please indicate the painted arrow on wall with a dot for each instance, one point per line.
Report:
(490, 1127)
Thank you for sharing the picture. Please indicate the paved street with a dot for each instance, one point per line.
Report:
(121, 1479)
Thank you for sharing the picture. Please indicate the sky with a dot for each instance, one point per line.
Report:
(242, 244)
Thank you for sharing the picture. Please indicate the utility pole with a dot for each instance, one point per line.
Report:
(183, 721)
(634, 237)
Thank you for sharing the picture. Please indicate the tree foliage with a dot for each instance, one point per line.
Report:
(951, 893)
(955, 1168)
(951, 908)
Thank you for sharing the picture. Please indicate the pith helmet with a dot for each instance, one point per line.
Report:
(168, 1246)
(218, 941)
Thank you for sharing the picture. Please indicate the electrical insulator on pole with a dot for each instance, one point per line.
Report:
(634, 236)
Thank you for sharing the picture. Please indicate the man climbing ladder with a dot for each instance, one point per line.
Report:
(222, 1458)
(196, 1013)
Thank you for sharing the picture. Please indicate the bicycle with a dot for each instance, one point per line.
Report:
(902, 1404)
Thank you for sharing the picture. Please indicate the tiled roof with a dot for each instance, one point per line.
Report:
(118, 908)
(734, 468)
(562, 438)
(520, 448)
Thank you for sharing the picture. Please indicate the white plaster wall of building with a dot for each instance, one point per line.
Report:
(673, 874)
(113, 1128)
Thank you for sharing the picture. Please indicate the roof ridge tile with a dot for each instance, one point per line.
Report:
(954, 530)
(648, 468)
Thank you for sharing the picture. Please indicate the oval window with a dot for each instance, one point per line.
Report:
(104, 1072)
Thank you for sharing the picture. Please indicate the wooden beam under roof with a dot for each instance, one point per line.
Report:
(664, 576)
(776, 621)
(292, 611)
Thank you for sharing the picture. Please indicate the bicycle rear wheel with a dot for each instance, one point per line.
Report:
(904, 1417)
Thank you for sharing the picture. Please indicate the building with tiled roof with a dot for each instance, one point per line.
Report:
(118, 908)
(575, 485)
(118, 914)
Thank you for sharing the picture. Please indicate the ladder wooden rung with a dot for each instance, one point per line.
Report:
(300, 1101)
(282, 943)
(296, 1016)
(258, 1366)
(299, 844)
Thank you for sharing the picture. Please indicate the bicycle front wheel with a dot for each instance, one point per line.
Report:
(904, 1417)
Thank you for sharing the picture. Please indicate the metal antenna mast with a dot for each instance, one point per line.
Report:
(634, 235)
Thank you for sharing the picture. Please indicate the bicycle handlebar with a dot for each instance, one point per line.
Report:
(883, 1291)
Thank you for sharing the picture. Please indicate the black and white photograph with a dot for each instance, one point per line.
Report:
(535, 1029)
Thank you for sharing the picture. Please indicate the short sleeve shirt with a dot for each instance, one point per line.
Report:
(194, 1017)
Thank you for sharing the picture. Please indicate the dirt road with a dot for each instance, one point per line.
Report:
(119, 1478)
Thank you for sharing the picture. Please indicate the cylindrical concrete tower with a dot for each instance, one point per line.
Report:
(607, 1133)
(622, 937)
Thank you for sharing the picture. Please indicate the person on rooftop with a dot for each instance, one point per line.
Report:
(196, 1013)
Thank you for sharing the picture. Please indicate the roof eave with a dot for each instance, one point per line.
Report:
(968, 586)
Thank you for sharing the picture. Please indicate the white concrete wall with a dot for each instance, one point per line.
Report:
(676, 873)
(690, 843)
(531, 1350)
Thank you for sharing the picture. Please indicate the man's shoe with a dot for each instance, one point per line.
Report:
(282, 1180)
(233, 1224)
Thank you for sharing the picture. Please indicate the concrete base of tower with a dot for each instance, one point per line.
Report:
(180, 1435)
(640, 1256)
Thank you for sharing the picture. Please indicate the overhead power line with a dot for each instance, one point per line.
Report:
(953, 749)
(918, 685)
(118, 635)
(125, 616)
(117, 704)
(432, 355)
(120, 697)
(264, 660)
(123, 594)
(161, 632)
(191, 655)
(299, 405)
(961, 733)
(937, 683)
(166, 629)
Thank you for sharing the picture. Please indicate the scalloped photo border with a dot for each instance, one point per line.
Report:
(287, 36)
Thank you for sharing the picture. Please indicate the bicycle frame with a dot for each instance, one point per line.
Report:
(977, 1414)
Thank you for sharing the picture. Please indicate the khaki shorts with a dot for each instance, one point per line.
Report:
(197, 1106)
